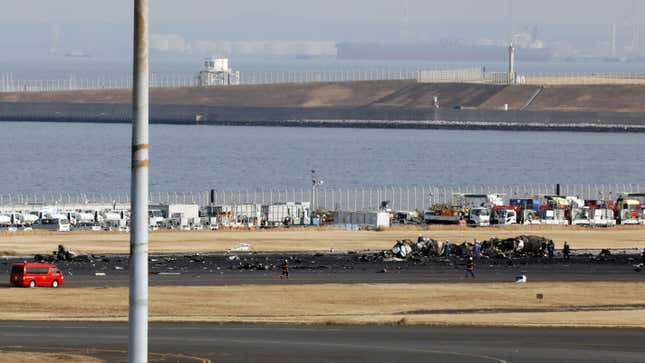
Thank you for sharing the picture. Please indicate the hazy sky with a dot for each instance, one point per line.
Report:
(28, 26)
(351, 11)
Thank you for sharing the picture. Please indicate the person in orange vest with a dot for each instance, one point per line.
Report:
(470, 267)
(285, 270)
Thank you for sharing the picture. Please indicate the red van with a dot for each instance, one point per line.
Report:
(34, 274)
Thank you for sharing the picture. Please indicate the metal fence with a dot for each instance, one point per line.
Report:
(439, 74)
(8, 83)
(347, 75)
(466, 75)
(347, 199)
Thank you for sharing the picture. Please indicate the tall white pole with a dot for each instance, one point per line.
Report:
(511, 64)
(138, 304)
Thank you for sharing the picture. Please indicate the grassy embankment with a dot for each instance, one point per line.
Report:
(579, 304)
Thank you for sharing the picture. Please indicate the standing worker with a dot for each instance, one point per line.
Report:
(566, 251)
(477, 249)
(470, 267)
(420, 238)
(285, 270)
(550, 249)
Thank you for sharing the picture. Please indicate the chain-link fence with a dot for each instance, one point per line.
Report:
(348, 199)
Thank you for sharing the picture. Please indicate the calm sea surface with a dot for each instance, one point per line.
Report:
(95, 158)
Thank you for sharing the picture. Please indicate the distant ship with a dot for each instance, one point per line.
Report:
(436, 52)
(77, 55)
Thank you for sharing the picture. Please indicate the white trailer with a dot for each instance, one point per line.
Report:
(370, 219)
(554, 217)
(59, 224)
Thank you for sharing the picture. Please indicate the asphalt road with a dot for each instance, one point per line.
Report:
(204, 342)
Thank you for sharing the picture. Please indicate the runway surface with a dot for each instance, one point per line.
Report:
(204, 342)
(249, 268)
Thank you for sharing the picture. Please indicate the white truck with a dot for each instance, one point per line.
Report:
(479, 216)
(504, 216)
(603, 217)
(480, 207)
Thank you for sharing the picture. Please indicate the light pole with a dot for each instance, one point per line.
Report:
(138, 299)
(315, 182)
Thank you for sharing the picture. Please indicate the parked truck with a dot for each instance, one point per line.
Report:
(628, 209)
(528, 210)
(505, 215)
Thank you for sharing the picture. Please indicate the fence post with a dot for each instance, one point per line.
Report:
(347, 199)
(355, 199)
(324, 191)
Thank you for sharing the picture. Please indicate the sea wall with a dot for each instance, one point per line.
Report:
(356, 117)
(371, 94)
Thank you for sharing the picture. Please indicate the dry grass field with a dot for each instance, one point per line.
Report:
(310, 239)
(589, 304)
(27, 357)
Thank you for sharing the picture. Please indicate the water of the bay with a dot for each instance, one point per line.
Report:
(95, 158)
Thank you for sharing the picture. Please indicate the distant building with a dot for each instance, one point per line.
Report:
(216, 72)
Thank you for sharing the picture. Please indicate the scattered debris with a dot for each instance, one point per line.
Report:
(604, 256)
(393, 259)
(242, 247)
(196, 258)
(62, 254)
